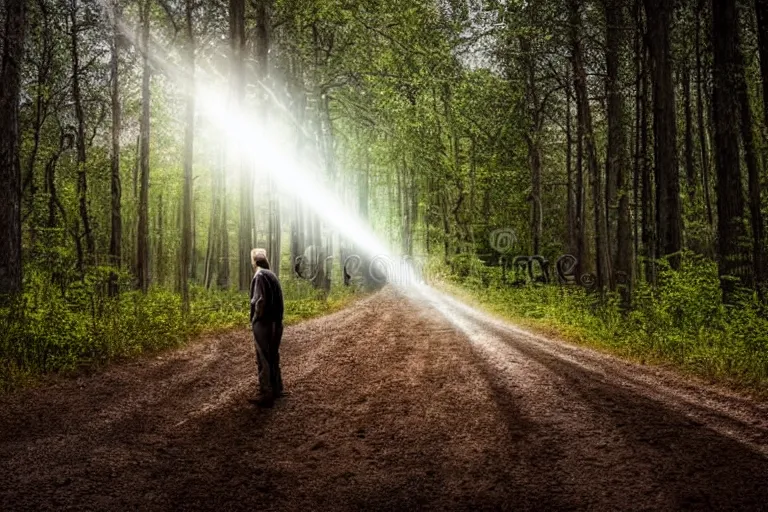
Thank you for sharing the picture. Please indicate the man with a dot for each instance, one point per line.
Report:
(267, 323)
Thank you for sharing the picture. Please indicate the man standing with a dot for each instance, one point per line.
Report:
(267, 323)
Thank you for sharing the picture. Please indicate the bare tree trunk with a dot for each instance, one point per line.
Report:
(142, 258)
(602, 262)
(82, 181)
(116, 233)
(212, 251)
(10, 166)
(570, 204)
(160, 251)
(581, 207)
(639, 50)
(705, 165)
(222, 275)
(263, 44)
(414, 215)
(753, 171)
(54, 204)
(754, 183)
(189, 140)
(42, 100)
(647, 199)
(245, 238)
(668, 207)
(617, 189)
(690, 168)
(299, 227)
(532, 139)
(730, 201)
(446, 224)
(761, 8)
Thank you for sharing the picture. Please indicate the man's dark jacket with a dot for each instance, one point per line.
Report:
(266, 297)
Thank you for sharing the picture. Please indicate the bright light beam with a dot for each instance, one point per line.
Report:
(267, 149)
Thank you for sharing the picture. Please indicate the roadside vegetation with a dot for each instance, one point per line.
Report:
(681, 321)
(50, 332)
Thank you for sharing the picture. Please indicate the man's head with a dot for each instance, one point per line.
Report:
(259, 259)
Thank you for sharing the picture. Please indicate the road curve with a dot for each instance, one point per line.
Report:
(403, 401)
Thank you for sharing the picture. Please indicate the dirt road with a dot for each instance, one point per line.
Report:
(399, 402)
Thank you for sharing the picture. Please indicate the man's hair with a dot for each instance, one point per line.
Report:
(259, 258)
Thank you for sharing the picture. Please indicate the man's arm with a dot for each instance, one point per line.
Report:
(257, 298)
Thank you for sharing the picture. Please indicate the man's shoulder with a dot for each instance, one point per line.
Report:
(266, 274)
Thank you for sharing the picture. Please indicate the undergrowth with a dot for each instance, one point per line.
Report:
(681, 321)
(53, 330)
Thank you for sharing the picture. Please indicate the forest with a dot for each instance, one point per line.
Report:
(591, 167)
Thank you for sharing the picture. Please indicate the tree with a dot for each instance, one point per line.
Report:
(142, 244)
(245, 239)
(617, 161)
(10, 166)
(733, 266)
(668, 206)
(603, 272)
(82, 177)
(116, 233)
(189, 139)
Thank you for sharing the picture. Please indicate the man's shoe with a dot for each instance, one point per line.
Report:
(264, 401)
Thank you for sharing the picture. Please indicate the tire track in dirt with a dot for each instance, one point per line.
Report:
(399, 402)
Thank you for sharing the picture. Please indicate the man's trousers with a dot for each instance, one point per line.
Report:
(267, 336)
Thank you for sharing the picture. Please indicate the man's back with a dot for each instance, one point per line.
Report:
(266, 297)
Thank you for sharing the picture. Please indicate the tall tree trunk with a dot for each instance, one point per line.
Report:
(730, 202)
(639, 50)
(54, 205)
(263, 44)
(761, 7)
(222, 274)
(142, 244)
(532, 139)
(703, 139)
(647, 199)
(617, 168)
(762, 32)
(299, 227)
(42, 99)
(668, 207)
(10, 166)
(82, 181)
(602, 263)
(403, 211)
(160, 251)
(581, 206)
(690, 167)
(414, 215)
(753, 172)
(116, 233)
(570, 204)
(212, 247)
(189, 139)
(245, 238)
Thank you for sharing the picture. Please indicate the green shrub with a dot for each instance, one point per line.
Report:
(47, 331)
(680, 320)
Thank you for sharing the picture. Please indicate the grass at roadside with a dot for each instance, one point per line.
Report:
(680, 322)
(47, 333)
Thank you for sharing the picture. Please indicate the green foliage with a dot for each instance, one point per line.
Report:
(681, 321)
(46, 331)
